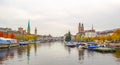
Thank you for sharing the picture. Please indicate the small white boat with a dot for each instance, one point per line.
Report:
(23, 43)
(70, 44)
(7, 42)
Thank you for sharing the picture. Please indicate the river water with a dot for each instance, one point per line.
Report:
(55, 53)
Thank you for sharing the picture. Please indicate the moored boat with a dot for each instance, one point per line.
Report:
(104, 49)
(7, 43)
(23, 43)
(70, 44)
(81, 45)
(92, 45)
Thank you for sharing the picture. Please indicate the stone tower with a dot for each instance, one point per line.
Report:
(80, 28)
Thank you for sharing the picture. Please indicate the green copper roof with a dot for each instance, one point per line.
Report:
(29, 25)
(28, 28)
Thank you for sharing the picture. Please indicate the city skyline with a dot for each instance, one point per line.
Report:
(57, 17)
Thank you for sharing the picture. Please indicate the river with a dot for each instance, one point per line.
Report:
(55, 53)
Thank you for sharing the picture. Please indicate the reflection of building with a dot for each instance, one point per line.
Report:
(6, 54)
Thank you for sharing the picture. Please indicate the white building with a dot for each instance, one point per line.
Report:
(90, 33)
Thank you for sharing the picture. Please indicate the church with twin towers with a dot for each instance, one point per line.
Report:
(86, 33)
(81, 28)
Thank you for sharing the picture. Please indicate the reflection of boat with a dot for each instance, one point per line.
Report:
(8, 45)
(5, 53)
(42, 41)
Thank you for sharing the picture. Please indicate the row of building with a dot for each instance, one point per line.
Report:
(90, 33)
(21, 31)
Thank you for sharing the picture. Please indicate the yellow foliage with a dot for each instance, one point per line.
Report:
(78, 38)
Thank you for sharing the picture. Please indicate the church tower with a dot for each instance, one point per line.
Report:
(35, 31)
(80, 28)
(28, 28)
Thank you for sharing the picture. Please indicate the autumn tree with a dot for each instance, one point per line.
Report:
(11, 35)
(116, 35)
(1, 34)
(102, 38)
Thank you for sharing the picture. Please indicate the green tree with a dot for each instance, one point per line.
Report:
(68, 37)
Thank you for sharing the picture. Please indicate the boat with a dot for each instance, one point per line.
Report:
(92, 45)
(23, 43)
(81, 45)
(70, 44)
(7, 43)
(104, 49)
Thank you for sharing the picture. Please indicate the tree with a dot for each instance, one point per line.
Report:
(116, 35)
(68, 37)
(102, 38)
(1, 34)
(78, 38)
(11, 35)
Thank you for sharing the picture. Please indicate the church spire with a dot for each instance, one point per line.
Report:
(92, 27)
(28, 28)
(35, 31)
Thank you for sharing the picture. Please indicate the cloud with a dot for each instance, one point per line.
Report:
(59, 16)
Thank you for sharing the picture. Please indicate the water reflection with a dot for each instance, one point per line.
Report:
(21, 51)
(28, 52)
(35, 48)
(81, 55)
(55, 54)
(6, 54)
(117, 55)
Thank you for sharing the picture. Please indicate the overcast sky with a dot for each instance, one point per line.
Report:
(57, 17)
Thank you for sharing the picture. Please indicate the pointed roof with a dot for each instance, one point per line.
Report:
(35, 29)
(92, 27)
(28, 25)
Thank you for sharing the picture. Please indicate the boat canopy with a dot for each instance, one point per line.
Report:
(7, 41)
